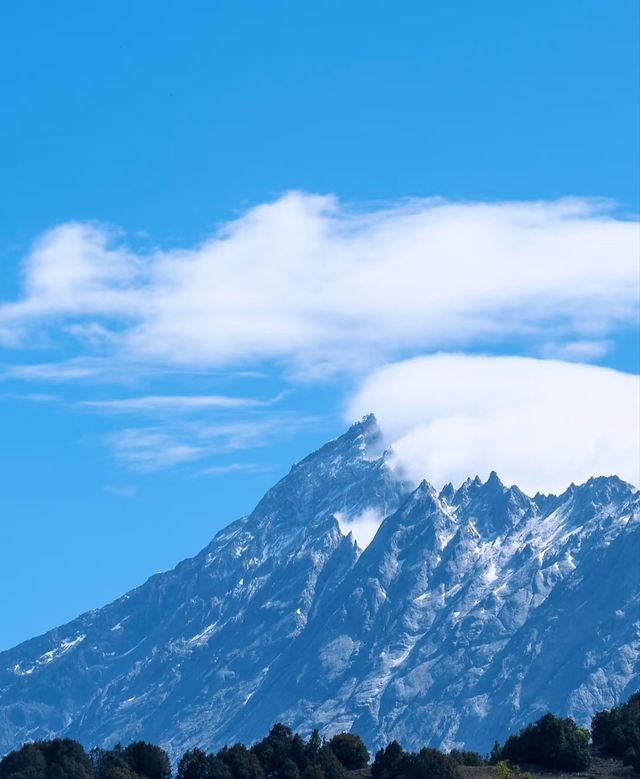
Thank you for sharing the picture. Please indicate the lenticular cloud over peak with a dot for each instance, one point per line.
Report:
(540, 424)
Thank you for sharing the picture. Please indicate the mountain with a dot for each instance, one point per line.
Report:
(471, 612)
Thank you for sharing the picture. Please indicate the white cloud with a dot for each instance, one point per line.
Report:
(223, 470)
(32, 397)
(252, 432)
(149, 449)
(175, 403)
(108, 370)
(69, 370)
(576, 351)
(364, 526)
(154, 448)
(540, 423)
(316, 286)
(311, 286)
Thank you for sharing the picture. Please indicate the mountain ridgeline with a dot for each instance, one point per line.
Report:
(471, 613)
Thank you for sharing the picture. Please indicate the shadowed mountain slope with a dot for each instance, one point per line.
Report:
(471, 612)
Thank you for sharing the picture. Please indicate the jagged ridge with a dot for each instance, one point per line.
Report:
(471, 612)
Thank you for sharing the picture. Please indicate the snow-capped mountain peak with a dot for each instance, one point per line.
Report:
(448, 629)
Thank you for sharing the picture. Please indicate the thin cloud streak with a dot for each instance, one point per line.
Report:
(576, 351)
(176, 403)
(93, 370)
(148, 449)
(224, 470)
(64, 371)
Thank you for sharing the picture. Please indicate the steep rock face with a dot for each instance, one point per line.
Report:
(174, 658)
(471, 612)
(466, 618)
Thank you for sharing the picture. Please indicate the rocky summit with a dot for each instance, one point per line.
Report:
(472, 612)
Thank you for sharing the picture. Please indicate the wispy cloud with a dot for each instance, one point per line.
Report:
(315, 286)
(176, 403)
(64, 371)
(223, 470)
(576, 351)
(314, 290)
(148, 449)
(252, 432)
(154, 448)
(110, 369)
(31, 397)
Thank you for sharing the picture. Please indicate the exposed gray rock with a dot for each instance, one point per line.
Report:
(472, 612)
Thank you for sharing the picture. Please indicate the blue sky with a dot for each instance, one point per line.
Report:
(159, 134)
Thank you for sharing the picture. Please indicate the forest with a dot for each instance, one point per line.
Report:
(550, 743)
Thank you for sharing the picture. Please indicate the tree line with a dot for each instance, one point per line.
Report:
(550, 743)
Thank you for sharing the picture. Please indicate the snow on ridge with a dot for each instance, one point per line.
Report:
(202, 638)
(66, 645)
(441, 633)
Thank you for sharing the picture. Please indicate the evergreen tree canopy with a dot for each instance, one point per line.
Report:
(275, 752)
(350, 750)
(119, 772)
(430, 764)
(314, 745)
(60, 758)
(217, 769)
(617, 731)
(26, 763)
(313, 771)
(289, 770)
(551, 742)
(467, 758)
(242, 762)
(299, 752)
(148, 760)
(394, 763)
(331, 766)
(196, 764)
(388, 763)
(111, 764)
